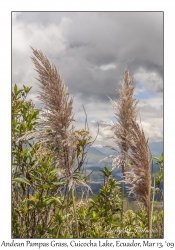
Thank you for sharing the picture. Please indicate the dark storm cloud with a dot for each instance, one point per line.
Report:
(92, 41)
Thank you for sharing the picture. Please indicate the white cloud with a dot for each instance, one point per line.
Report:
(107, 66)
(153, 129)
(150, 80)
(50, 38)
(151, 119)
(87, 59)
(154, 102)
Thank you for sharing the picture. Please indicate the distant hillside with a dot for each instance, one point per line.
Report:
(107, 151)
(94, 155)
(93, 166)
(155, 147)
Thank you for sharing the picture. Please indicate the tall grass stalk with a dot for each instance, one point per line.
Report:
(75, 213)
(152, 205)
(138, 174)
(125, 113)
(54, 128)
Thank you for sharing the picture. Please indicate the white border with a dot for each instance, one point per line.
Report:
(5, 94)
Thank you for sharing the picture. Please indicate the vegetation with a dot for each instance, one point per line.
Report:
(48, 166)
(126, 114)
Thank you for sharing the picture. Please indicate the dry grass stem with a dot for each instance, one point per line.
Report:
(125, 112)
(139, 172)
(54, 128)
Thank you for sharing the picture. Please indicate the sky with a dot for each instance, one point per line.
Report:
(91, 51)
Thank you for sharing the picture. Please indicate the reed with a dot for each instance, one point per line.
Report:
(54, 128)
(138, 174)
(125, 112)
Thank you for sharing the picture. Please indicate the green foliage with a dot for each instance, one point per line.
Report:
(99, 217)
(42, 204)
(34, 180)
(159, 175)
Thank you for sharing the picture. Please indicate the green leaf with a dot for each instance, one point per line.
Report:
(15, 89)
(39, 228)
(58, 183)
(44, 165)
(84, 142)
(27, 89)
(160, 160)
(21, 180)
(91, 200)
(45, 186)
(48, 130)
(161, 157)
(53, 200)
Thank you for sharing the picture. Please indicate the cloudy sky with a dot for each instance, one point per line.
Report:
(91, 51)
